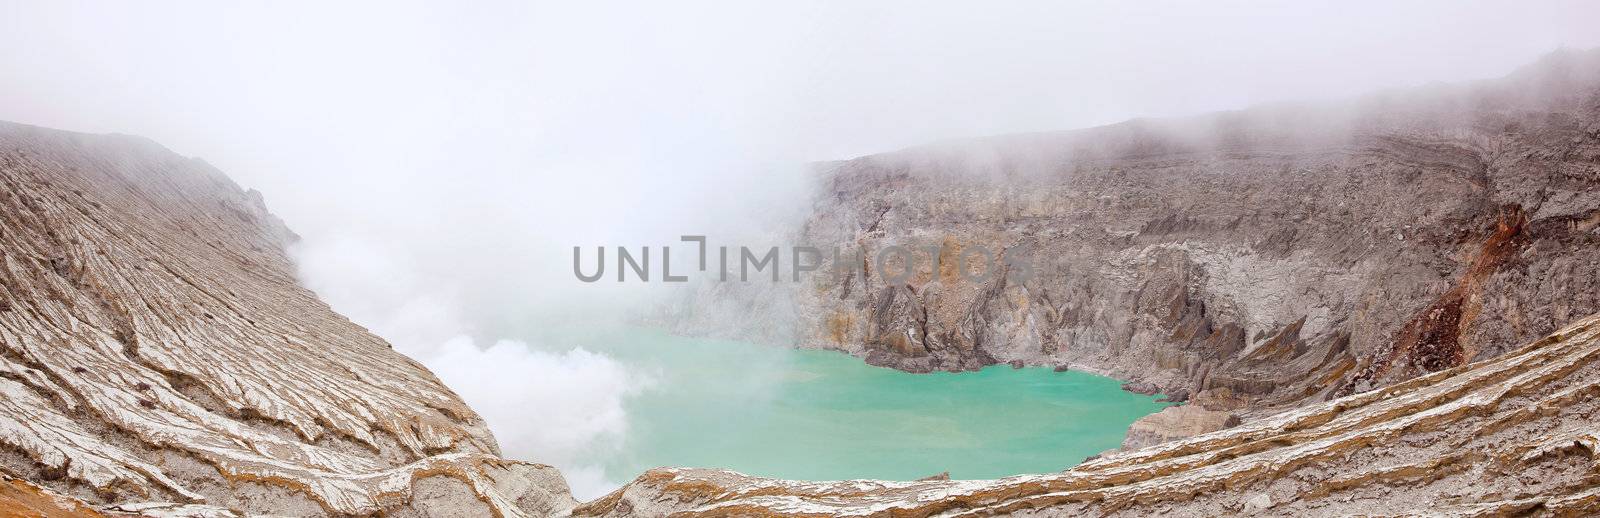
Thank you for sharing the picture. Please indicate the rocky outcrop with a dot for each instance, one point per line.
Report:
(1176, 422)
(1513, 435)
(155, 347)
(1248, 260)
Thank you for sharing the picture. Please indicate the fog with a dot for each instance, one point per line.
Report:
(440, 161)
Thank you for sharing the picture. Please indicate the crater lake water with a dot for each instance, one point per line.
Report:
(824, 415)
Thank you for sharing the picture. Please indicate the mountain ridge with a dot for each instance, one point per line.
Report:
(155, 345)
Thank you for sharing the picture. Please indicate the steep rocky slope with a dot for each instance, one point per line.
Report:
(1250, 259)
(1512, 436)
(155, 347)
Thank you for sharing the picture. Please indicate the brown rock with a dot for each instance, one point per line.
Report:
(1176, 422)
(1141, 387)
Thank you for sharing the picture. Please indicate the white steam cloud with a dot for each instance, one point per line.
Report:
(564, 408)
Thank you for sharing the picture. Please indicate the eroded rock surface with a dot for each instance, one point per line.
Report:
(1176, 422)
(155, 347)
(18, 498)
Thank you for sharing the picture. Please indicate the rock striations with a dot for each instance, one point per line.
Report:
(155, 347)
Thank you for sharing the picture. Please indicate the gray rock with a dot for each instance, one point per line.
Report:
(1140, 387)
(1259, 502)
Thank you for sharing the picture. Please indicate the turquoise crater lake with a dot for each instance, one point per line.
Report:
(822, 415)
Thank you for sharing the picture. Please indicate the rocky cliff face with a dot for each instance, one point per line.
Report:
(155, 347)
(1353, 277)
(1248, 259)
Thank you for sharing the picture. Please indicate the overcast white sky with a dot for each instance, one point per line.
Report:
(329, 108)
(440, 159)
(554, 121)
